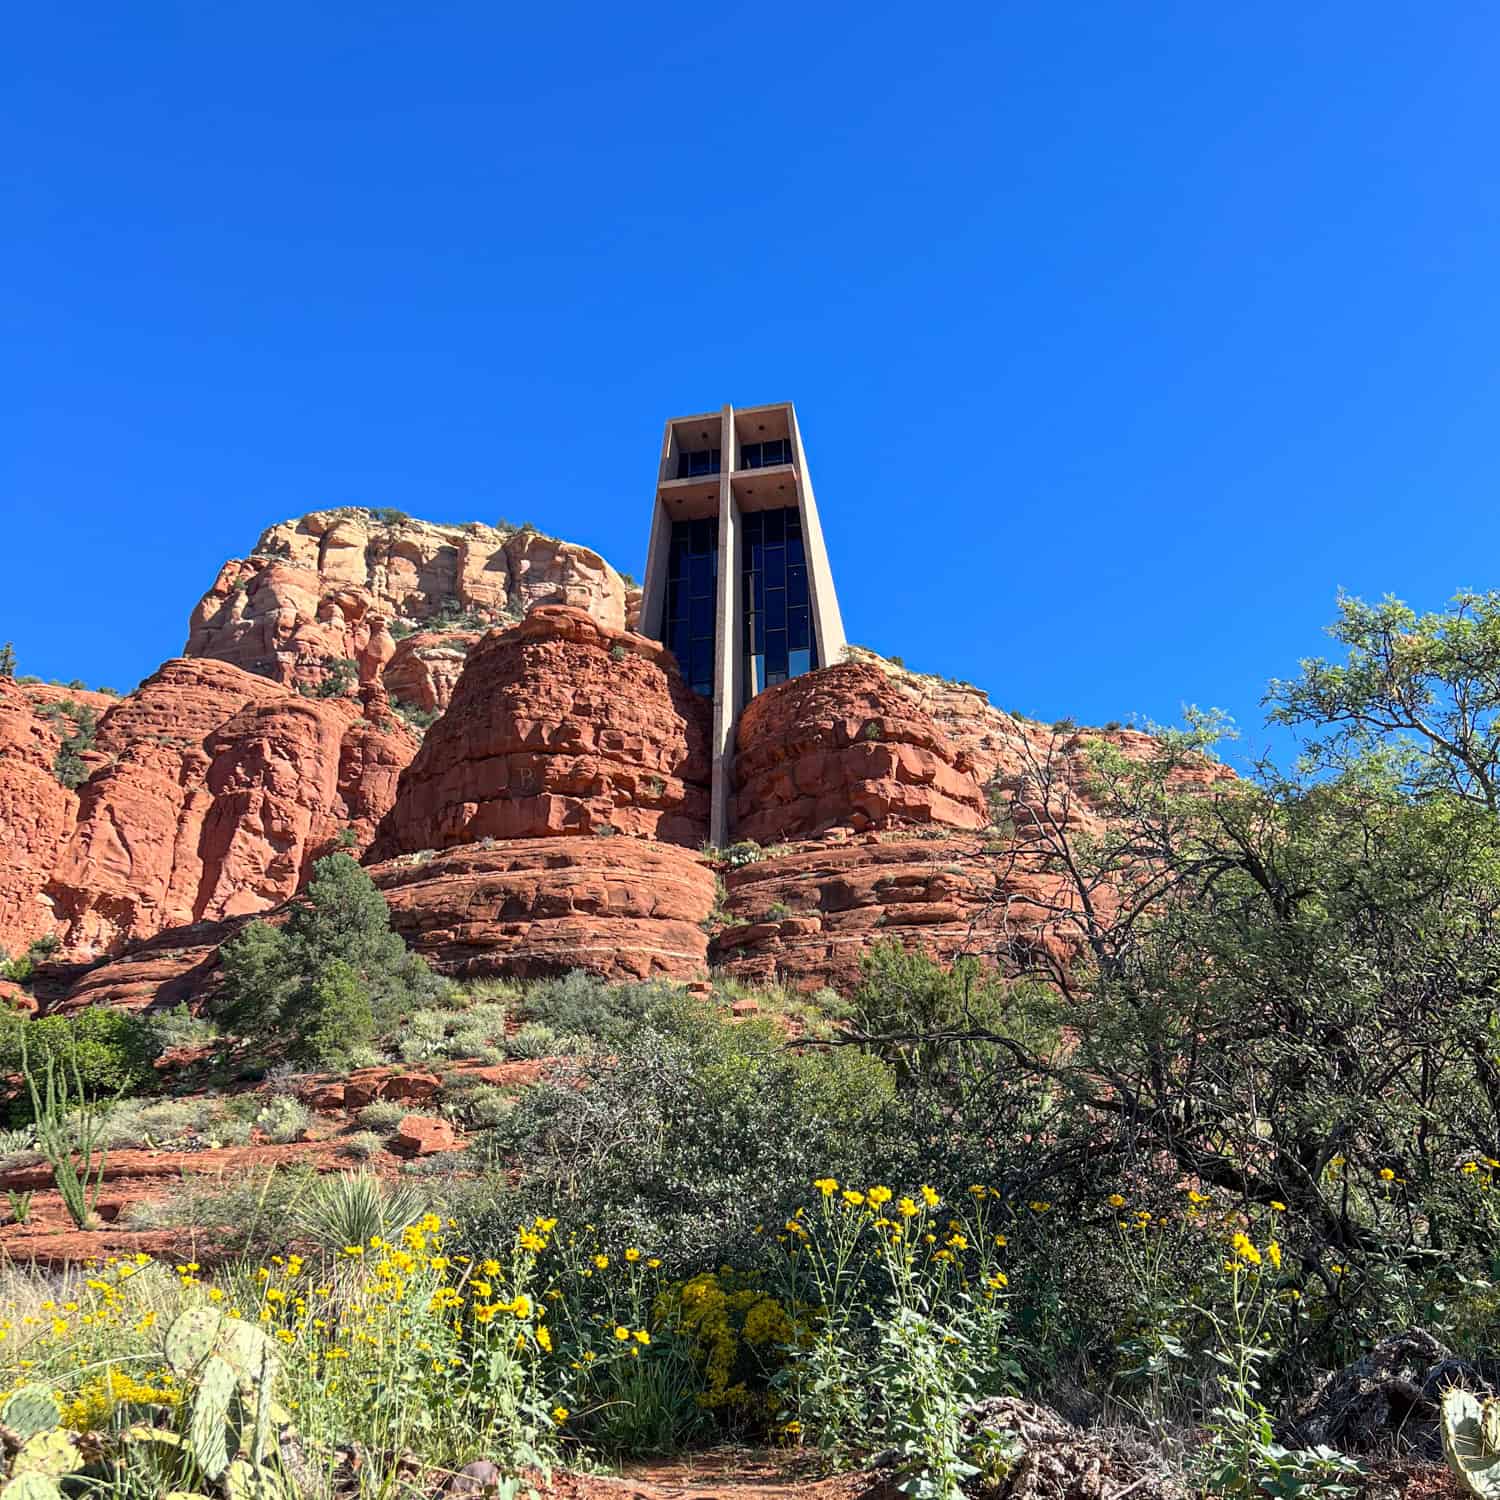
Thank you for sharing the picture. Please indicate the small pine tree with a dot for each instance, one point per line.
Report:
(328, 981)
(334, 1019)
(8, 660)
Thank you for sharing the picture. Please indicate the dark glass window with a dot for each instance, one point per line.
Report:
(764, 455)
(692, 586)
(778, 620)
(700, 461)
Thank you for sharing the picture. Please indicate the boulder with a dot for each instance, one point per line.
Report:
(558, 726)
(844, 746)
(420, 1135)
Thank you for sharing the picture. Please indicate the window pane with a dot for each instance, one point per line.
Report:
(701, 574)
(775, 567)
(775, 523)
(799, 662)
(797, 629)
(796, 584)
(701, 615)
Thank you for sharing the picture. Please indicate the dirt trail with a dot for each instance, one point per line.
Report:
(720, 1474)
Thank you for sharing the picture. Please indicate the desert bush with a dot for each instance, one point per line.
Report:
(693, 1132)
(158, 1122)
(534, 1039)
(352, 1208)
(331, 978)
(179, 1027)
(283, 1119)
(382, 1114)
(362, 1145)
(581, 1004)
(480, 1106)
(112, 1050)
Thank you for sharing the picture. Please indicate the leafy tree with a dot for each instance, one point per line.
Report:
(107, 1051)
(1423, 691)
(331, 978)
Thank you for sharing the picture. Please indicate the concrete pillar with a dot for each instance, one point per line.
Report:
(728, 626)
(654, 585)
(828, 622)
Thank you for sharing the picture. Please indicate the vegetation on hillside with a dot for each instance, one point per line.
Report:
(1224, 1124)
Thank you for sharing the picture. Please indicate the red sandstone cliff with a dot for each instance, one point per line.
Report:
(210, 792)
(552, 816)
(354, 584)
(558, 726)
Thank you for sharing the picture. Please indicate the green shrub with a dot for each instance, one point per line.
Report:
(722, 1121)
(362, 1145)
(334, 976)
(581, 1004)
(113, 1049)
(420, 719)
(283, 1119)
(383, 1115)
(532, 1040)
(179, 1027)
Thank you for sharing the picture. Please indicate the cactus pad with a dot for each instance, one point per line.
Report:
(248, 1349)
(30, 1410)
(208, 1430)
(1471, 1455)
(52, 1453)
(30, 1486)
(191, 1338)
(247, 1481)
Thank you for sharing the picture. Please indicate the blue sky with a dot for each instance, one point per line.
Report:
(1121, 335)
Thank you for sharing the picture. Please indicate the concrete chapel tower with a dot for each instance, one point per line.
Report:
(737, 576)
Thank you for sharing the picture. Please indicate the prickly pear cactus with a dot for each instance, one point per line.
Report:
(30, 1410)
(30, 1486)
(51, 1453)
(248, 1481)
(192, 1337)
(209, 1428)
(1471, 1440)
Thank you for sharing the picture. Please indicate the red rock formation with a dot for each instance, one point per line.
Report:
(1014, 757)
(426, 667)
(807, 917)
(846, 746)
(620, 907)
(331, 585)
(177, 967)
(216, 791)
(558, 726)
(36, 814)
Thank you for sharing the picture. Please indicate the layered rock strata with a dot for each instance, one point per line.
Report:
(213, 793)
(558, 726)
(807, 917)
(348, 584)
(846, 746)
(620, 907)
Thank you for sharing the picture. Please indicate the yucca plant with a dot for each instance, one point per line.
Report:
(352, 1208)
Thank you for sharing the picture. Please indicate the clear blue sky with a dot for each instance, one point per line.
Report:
(1122, 335)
